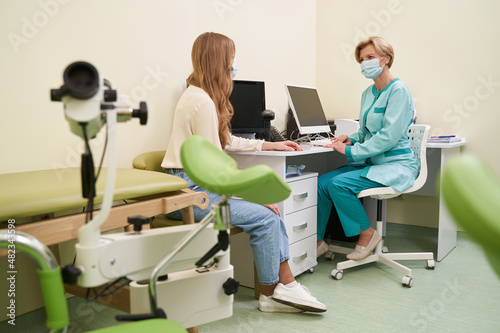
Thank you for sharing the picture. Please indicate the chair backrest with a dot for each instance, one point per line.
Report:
(417, 134)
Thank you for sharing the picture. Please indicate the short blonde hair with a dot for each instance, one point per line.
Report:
(381, 46)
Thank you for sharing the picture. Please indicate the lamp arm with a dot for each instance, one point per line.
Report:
(155, 274)
(89, 234)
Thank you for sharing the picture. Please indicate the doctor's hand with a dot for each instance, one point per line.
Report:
(274, 208)
(337, 145)
(281, 145)
(343, 139)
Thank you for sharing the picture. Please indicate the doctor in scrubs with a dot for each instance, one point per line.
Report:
(379, 153)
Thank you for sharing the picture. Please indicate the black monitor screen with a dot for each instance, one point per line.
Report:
(248, 100)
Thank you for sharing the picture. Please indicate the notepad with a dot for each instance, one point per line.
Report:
(445, 139)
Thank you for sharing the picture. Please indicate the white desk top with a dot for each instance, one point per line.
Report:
(446, 145)
(307, 151)
(316, 150)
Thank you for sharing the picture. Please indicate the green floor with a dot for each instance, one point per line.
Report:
(461, 295)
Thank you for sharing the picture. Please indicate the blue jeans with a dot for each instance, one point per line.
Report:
(268, 237)
(340, 188)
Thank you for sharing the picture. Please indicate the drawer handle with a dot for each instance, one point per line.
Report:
(301, 257)
(300, 227)
(300, 196)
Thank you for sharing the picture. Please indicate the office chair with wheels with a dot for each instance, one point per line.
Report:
(418, 139)
(471, 192)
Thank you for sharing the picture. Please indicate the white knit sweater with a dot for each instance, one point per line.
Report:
(196, 114)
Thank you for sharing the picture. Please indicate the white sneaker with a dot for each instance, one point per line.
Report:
(299, 297)
(267, 304)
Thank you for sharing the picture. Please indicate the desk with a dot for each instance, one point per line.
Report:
(322, 160)
(438, 154)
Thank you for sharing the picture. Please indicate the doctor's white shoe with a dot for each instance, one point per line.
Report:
(267, 304)
(321, 249)
(361, 252)
(299, 297)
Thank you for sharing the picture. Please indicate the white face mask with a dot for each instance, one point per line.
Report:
(234, 69)
(371, 68)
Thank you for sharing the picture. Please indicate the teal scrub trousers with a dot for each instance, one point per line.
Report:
(340, 188)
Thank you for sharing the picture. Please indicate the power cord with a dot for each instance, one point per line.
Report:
(89, 179)
(107, 291)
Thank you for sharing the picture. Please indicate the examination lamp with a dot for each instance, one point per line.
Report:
(87, 97)
(89, 102)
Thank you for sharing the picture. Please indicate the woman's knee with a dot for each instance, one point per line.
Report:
(254, 216)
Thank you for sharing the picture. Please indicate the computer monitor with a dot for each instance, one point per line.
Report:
(248, 100)
(307, 109)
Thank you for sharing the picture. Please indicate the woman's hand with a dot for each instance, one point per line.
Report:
(281, 145)
(274, 208)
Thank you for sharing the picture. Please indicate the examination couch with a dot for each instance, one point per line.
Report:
(48, 204)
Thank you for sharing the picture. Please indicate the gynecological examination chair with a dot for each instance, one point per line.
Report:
(220, 174)
(472, 194)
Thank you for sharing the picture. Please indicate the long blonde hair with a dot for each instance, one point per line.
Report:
(212, 56)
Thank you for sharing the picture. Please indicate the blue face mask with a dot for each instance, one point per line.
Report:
(371, 68)
(234, 69)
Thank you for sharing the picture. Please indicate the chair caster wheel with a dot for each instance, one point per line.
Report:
(311, 270)
(407, 281)
(336, 274)
(385, 249)
(431, 264)
(330, 255)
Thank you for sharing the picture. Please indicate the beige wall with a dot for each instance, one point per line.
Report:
(143, 48)
(445, 53)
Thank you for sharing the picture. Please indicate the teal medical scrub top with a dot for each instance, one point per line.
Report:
(381, 143)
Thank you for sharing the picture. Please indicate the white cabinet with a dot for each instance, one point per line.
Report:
(304, 193)
(299, 209)
(299, 216)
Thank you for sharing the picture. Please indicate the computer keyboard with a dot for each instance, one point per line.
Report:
(321, 142)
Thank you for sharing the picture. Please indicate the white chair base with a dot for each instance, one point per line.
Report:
(380, 255)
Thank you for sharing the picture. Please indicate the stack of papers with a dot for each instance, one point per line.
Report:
(445, 139)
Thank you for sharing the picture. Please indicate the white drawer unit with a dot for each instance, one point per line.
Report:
(299, 210)
(301, 224)
(304, 192)
(303, 255)
(299, 215)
